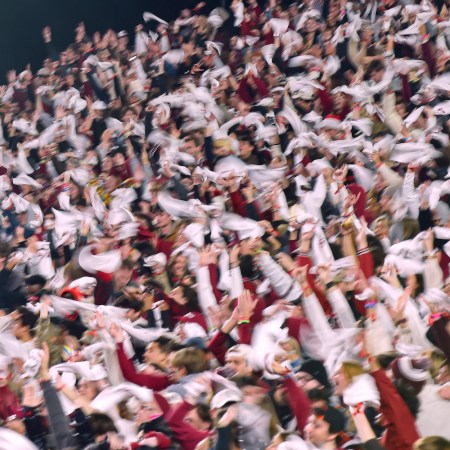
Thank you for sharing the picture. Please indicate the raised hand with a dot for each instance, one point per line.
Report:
(341, 173)
(80, 31)
(351, 200)
(208, 256)
(47, 34)
(234, 255)
(246, 304)
(116, 332)
(308, 231)
(100, 319)
(361, 237)
(11, 76)
(301, 273)
(324, 273)
(398, 313)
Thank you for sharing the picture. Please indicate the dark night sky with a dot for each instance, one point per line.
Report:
(22, 22)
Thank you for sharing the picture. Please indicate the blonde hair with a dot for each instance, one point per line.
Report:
(438, 361)
(292, 342)
(352, 369)
(432, 443)
(225, 143)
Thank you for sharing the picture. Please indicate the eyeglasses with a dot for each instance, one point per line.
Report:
(305, 378)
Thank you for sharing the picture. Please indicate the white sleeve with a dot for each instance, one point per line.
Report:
(8, 94)
(140, 43)
(334, 194)
(48, 135)
(284, 208)
(206, 297)
(433, 275)
(410, 195)
(225, 282)
(341, 308)
(416, 325)
(140, 71)
(316, 317)
(281, 282)
(320, 190)
(111, 359)
(237, 285)
(164, 44)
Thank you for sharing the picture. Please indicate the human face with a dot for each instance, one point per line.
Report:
(238, 364)
(401, 109)
(385, 203)
(245, 149)
(311, 25)
(70, 55)
(19, 329)
(107, 164)
(154, 355)
(179, 267)
(176, 373)
(381, 229)
(145, 411)
(162, 219)
(443, 375)
(193, 419)
(70, 80)
(122, 277)
(243, 108)
(317, 431)
(305, 105)
(367, 35)
(111, 183)
(377, 76)
(340, 381)
(177, 295)
(253, 395)
(339, 101)
(87, 389)
(191, 148)
(33, 289)
(250, 246)
(306, 381)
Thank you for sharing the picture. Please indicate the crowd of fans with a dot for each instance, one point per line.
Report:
(230, 231)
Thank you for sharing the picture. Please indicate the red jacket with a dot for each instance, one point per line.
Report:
(304, 260)
(155, 382)
(401, 430)
(185, 434)
(298, 402)
(10, 404)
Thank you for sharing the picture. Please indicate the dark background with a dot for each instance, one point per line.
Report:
(21, 23)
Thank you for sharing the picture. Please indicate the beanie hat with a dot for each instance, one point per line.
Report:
(317, 370)
(411, 371)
